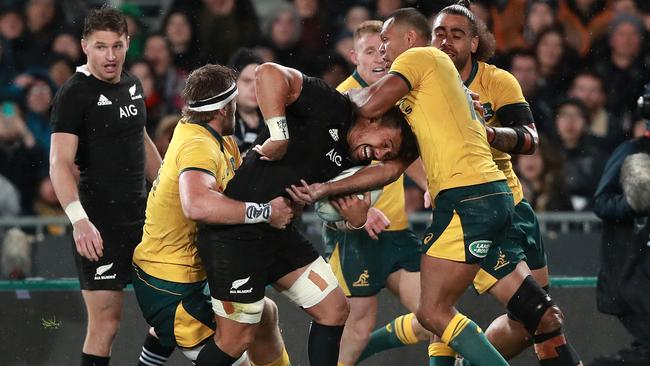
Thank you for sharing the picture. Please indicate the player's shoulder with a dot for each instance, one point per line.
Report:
(79, 82)
(347, 84)
(497, 76)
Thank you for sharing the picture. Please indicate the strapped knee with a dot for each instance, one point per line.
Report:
(239, 312)
(192, 353)
(313, 285)
(528, 304)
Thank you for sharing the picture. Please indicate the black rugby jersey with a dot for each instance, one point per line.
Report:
(109, 120)
(318, 123)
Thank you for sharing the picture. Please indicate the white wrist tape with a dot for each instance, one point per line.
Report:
(75, 212)
(257, 212)
(278, 128)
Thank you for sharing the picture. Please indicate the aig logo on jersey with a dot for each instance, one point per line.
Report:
(101, 270)
(128, 111)
(335, 157)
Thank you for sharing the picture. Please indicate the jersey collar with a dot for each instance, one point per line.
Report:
(472, 74)
(359, 79)
(213, 133)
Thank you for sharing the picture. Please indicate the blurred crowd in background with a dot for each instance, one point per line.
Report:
(581, 64)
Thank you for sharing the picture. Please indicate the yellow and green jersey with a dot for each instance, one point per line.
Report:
(167, 250)
(452, 141)
(499, 92)
(391, 201)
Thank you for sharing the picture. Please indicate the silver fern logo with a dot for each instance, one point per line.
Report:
(99, 272)
(234, 289)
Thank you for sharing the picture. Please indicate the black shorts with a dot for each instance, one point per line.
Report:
(113, 270)
(241, 260)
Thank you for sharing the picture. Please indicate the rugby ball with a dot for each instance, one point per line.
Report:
(324, 208)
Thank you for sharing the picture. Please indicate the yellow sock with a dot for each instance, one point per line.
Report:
(404, 329)
(441, 349)
(283, 360)
(455, 326)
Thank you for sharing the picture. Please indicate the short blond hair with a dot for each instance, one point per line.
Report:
(369, 26)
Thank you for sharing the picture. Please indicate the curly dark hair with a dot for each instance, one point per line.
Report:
(486, 41)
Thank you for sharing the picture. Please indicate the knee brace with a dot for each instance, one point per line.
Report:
(313, 285)
(528, 304)
(239, 312)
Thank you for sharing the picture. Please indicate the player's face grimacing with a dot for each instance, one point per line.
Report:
(370, 63)
(370, 140)
(394, 42)
(452, 35)
(106, 52)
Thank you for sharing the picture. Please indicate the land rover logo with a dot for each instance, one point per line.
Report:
(480, 248)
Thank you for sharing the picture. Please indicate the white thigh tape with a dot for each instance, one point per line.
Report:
(313, 285)
(241, 313)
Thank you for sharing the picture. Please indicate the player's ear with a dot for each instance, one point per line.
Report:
(84, 46)
(128, 42)
(353, 57)
(474, 43)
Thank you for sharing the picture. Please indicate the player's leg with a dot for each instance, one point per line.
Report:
(508, 335)
(153, 352)
(404, 282)
(104, 310)
(466, 223)
(268, 347)
(360, 322)
(315, 289)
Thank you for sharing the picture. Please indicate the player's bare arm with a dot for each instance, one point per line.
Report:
(87, 238)
(202, 202)
(276, 87)
(514, 140)
(152, 158)
(372, 177)
(376, 99)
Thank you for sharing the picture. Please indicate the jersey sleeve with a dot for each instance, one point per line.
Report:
(509, 103)
(67, 114)
(413, 65)
(197, 154)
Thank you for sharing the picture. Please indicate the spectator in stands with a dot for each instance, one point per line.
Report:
(344, 45)
(384, 8)
(525, 68)
(38, 97)
(169, 80)
(164, 132)
(43, 22)
(623, 281)
(180, 33)
(136, 30)
(557, 62)
(624, 70)
(248, 118)
(22, 161)
(223, 26)
(541, 178)
(61, 68)
(12, 29)
(584, 21)
(336, 69)
(583, 161)
(540, 14)
(507, 18)
(68, 43)
(313, 35)
(152, 98)
(355, 15)
(282, 32)
(589, 88)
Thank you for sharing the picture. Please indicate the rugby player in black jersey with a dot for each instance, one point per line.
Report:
(313, 134)
(98, 121)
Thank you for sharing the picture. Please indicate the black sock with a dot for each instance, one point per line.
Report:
(154, 353)
(324, 342)
(554, 350)
(92, 360)
(211, 355)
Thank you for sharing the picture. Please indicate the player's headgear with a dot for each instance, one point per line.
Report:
(214, 103)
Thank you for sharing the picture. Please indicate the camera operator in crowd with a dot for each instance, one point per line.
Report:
(622, 201)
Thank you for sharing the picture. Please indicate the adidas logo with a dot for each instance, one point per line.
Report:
(103, 100)
(334, 133)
